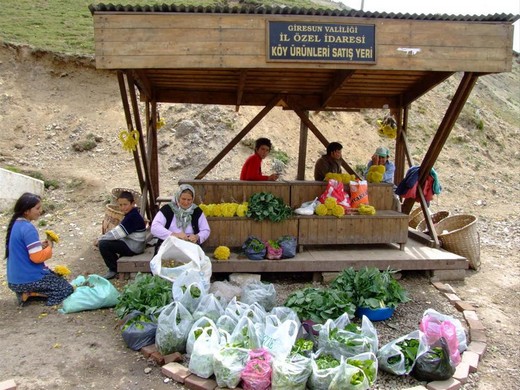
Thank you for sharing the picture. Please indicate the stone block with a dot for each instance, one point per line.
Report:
(173, 357)
(463, 306)
(448, 384)
(9, 384)
(158, 358)
(472, 359)
(462, 372)
(478, 347)
(439, 275)
(328, 277)
(148, 350)
(477, 335)
(475, 325)
(450, 289)
(193, 382)
(241, 279)
(176, 371)
(442, 287)
(452, 297)
(470, 315)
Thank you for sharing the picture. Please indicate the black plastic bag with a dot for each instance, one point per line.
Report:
(138, 331)
(435, 364)
(288, 245)
(254, 248)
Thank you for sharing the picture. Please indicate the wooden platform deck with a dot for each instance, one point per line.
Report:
(415, 257)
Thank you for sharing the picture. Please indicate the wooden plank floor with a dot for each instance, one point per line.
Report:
(416, 256)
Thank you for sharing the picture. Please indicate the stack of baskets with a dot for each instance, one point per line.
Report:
(415, 217)
(458, 234)
(112, 214)
(436, 218)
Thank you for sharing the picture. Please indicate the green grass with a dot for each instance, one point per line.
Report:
(66, 26)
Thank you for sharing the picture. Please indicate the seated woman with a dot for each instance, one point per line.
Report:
(381, 157)
(252, 168)
(181, 218)
(126, 239)
(26, 255)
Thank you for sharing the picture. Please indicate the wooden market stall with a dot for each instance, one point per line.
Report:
(301, 60)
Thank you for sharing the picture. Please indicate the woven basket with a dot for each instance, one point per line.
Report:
(117, 190)
(112, 218)
(436, 218)
(415, 217)
(458, 234)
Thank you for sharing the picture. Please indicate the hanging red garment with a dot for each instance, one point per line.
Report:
(427, 190)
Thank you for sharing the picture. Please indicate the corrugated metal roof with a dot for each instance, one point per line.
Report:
(268, 10)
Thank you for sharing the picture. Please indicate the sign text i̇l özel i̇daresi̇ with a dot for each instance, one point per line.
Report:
(296, 41)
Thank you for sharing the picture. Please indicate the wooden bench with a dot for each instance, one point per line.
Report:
(387, 226)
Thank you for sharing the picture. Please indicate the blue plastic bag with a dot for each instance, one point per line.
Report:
(93, 292)
(254, 248)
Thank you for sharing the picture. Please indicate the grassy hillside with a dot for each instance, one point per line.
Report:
(66, 25)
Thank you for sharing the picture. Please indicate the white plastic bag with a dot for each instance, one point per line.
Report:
(391, 351)
(263, 294)
(291, 373)
(205, 346)
(195, 331)
(181, 251)
(209, 306)
(461, 334)
(173, 325)
(279, 337)
(307, 208)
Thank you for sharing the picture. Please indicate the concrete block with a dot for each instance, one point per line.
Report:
(478, 347)
(448, 384)
(14, 185)
(442, 287)
(439, 275)
(475, 325)
(472, 359)
(328, 277)
(9, 384)
(193, 382)
(452, 297)
(463, 306)
(450, 289)
(176, 371)
(148, 350)
(462, 372)
(241, 279)
(477, 335)
(470, 315)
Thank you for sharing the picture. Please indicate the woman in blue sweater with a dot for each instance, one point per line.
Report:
(126, 239)
(26, 255)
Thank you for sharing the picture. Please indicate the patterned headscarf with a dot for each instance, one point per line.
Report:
(183, 216)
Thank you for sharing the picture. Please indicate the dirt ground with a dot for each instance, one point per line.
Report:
(50, 104)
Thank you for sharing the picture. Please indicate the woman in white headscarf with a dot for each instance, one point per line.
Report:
(181, 218)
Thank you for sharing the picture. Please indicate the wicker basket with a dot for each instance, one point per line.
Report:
(436, 218)
(112, 218)
(116, 191)
(415, 217)
(458, 234)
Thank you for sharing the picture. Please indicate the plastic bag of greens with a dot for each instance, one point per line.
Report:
(285, 313)
(254, 248)
(235, 309)
(279, 336)
(228, 364)
(257, 372)
(262, 293)
(291, 373)
(189, 289)
(435, 364)
(367, 362)
(289, 245)
(226, 323)
(204, 347)
(349, 378)
(196, 330)
(91, 293)
(173, 325)
(246, 335)
(399, 355)
(210, 307)
(461, 334)
(324, 369)
(434, 328)
(138, 330)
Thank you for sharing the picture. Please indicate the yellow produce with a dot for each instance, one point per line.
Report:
(222, 253)
(51, 236)
(321, 209)
(217, 210)
(242, 209)
(62, 270)
(338, 211)
(366, 209)
(330, 203)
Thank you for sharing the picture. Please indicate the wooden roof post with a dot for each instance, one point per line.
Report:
(302, 153)
(400, 148)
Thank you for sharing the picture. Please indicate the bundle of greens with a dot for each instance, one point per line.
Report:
(368, 366)
(303, 347)
(265, 205)
(146, 293)
(408, 348)
(318, 305)
(371, 288)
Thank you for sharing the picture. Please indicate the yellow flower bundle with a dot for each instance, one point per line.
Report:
(62, 270)
(366, 209)
(338, 211)
(242, 209)
(321, 209)
(375, 173)
(51, 236)
(160, 123)
(229, 209)
(222, 253)
(330, 203)
(344, 178)
(129, 139)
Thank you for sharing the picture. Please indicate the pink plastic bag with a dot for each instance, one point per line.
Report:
(434, 329)
(274, 251)
(336, 190)
(257, 373)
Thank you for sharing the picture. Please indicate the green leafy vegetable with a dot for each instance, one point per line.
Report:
(319, 305)
(368, 366)
(265, 205)
(371, 288)
(326, 361)
(302, 346)
(409, 348)
(146, 293)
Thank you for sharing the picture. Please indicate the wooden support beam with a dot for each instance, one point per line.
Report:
(338, 81)
(143, 83)
(240, 88)
(302, 152)
(272, 103)
(301, 113)
(129, 125)
(153, 151)
(426, 84)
